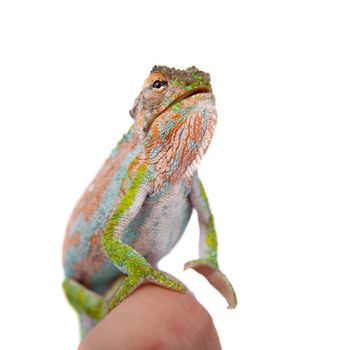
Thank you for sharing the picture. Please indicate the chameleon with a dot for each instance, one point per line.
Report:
(137, 207)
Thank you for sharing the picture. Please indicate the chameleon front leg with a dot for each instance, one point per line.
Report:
(127, 259)
(207, 264)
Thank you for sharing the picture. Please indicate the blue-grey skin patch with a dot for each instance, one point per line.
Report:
(130, 235)
(156, 231)
(192, 145)
(100, 280)
(169, 124)
(184, 213)
(155, 151)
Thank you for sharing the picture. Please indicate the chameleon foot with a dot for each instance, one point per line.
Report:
(210, 270)
(132, 281)
(84, 300)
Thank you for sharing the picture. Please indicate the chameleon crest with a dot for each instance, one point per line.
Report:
(139, 204)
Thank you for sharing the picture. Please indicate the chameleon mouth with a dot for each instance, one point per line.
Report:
(198, 90)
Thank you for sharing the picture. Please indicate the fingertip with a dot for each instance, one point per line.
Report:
(155, 317)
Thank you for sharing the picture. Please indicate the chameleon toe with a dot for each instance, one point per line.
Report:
(163, 279)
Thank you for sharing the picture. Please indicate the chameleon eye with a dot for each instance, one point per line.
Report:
(158, 84)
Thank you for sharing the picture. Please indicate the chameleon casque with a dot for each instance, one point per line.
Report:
(139, 204)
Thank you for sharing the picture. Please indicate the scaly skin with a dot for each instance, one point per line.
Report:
(139, 204)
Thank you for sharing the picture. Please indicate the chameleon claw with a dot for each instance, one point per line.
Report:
(216, 278)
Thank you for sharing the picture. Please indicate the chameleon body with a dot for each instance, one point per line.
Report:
(139, 204)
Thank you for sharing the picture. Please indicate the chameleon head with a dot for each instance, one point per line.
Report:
(175, 117)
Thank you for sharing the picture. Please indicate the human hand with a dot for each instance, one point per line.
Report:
(155, 318)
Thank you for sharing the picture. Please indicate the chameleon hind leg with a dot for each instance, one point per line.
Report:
(84, 300)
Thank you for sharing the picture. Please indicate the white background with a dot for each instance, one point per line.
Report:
(277, 172)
